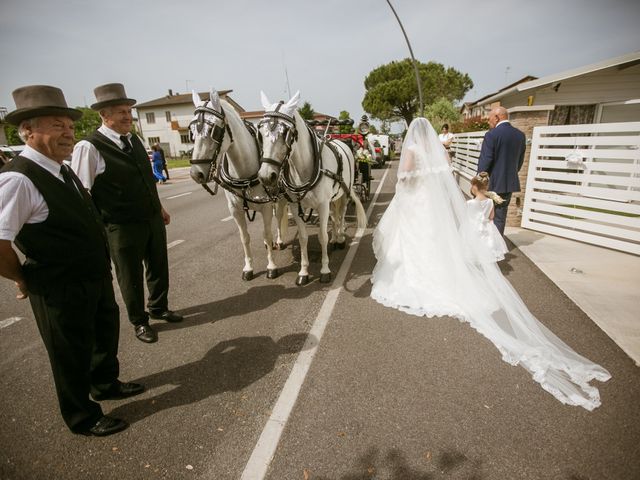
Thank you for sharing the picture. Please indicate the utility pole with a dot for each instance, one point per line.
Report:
(415, 64)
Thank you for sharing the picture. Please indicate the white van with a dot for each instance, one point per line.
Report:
(384, 143)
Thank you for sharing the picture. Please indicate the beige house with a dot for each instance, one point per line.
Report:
(603, 92)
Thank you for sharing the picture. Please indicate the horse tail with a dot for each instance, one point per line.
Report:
(360, 213)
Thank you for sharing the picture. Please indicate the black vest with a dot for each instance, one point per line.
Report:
(70, 244)
(126, 192)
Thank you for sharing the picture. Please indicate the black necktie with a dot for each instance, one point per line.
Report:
(68, 180)
(127, 145)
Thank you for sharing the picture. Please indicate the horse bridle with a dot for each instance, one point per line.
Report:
(289, 131)
(216, 133)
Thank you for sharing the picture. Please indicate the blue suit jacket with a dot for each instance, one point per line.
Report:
(501, 156)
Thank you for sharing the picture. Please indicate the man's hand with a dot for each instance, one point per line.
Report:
(166, 217)
(22, 291)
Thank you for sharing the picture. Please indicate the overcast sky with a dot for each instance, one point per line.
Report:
(327, 47)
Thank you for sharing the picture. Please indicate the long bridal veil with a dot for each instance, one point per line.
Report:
(431, 262)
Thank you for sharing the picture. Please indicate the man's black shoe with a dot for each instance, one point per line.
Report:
(167, 316)
(120, 390)
(146, 334)
(105, 426)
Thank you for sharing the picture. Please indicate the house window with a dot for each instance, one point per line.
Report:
(153, 140)
(151, 117)
(185, 138)
(167, 115)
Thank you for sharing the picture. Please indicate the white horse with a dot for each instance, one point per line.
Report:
(226, 151)
(313, 173)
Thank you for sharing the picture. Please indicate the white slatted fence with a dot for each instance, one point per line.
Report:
(466, 147)
(584, 183)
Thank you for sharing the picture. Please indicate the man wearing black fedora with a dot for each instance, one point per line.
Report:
(67, 272)
(113, 164)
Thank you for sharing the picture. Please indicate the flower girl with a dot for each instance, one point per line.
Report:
(481, 213)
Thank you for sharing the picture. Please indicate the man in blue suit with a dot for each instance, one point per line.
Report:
(501, 156)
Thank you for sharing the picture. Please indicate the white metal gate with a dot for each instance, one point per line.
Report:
(584, 183)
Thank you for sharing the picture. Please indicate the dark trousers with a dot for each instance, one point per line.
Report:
(165, 169)
(500, 215)
(80, 325)
(139, 250)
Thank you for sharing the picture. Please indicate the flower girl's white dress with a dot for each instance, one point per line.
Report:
(479, 212)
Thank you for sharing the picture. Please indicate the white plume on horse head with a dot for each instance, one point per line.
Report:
(214, 98)
(197, 101)
(287, 108)
(266, 103)
(290, 107)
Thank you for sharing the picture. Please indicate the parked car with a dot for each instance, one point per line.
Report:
(377, 154)
(383, 142)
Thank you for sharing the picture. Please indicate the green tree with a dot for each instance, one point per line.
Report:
(11, 132)
(306, 111)
(373, 129)
(392, 93)
(344, 115)
(88, 123)
(440, 112)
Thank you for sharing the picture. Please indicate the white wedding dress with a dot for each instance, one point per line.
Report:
(432, 262)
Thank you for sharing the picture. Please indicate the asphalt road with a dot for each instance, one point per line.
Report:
(387, 395)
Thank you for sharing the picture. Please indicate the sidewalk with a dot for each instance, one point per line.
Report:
(604, 283)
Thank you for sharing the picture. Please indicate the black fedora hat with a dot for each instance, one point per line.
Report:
(111, 94)
(40, 101)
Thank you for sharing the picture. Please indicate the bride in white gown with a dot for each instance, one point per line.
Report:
(431, 262)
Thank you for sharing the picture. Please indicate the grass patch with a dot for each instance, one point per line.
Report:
(178, 162)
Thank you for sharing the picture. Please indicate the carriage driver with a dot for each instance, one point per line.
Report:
(67, 272)
(113, 164)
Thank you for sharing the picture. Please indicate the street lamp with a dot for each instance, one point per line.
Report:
(415, 64)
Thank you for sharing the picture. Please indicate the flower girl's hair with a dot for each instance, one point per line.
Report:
(481, 182)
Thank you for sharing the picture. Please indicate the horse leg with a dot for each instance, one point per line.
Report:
(238, 216)
(339, 211)
(282, 222)
(323, 236)
(303, 238)
(267, 219)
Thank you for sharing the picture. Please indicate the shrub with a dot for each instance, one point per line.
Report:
(471, 124)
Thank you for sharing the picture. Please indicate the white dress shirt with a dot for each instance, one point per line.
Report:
(87, 161)
(20, 201)
(501, 122)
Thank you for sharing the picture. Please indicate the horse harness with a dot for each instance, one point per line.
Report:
(290, 136)
(222, 177)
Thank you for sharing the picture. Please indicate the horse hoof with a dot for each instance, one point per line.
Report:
(325, 277)
(248, 275)
(302, 280)
(273, 273)
(280, 246)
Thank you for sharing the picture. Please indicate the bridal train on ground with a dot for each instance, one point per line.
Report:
(431, 262)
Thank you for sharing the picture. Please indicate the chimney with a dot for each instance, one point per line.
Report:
(170, 92)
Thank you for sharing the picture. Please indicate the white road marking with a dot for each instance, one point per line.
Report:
(265, 449)
(10, 321)
(174, 243)
(226, 219)
(179, 195)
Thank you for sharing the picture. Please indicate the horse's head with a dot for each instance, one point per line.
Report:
(277, 129)
(207, 130)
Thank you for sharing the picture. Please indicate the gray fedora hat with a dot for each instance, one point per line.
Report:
(111, 94)
(40, 101)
